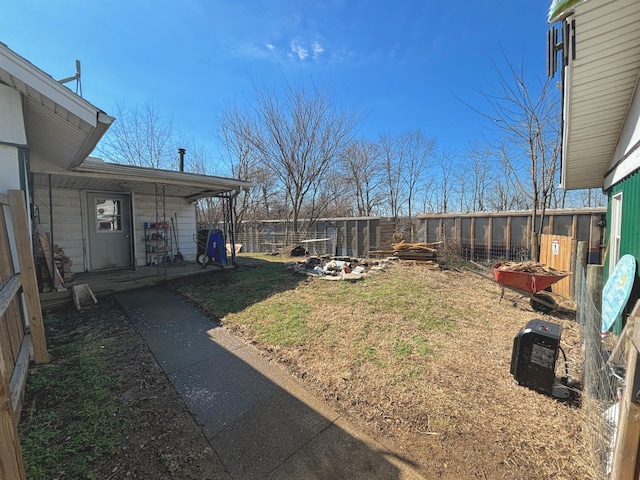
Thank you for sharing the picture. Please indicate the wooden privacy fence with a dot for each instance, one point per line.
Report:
(556, 251)
(484, 236)
(21, 328)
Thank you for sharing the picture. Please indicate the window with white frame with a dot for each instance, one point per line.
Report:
(616, 229)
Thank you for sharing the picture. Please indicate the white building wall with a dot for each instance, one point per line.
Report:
(145, 211)
(68, 222)
(70, 231)
(626, 158)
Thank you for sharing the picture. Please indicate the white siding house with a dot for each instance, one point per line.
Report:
(93, 210)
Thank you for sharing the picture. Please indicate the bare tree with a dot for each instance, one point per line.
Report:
(505, 190)
(447, 169)
(235, 129)
(415, 153)
(140, 136)
(393, 175)
(298, 134)
(331, 196)
(478, 161)
(528, 117)
(361, 160)
(592, 197)
(430, 196)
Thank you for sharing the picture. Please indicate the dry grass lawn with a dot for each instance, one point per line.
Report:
(418, 358)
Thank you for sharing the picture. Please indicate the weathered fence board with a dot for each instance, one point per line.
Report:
(28, 274)
(625, 455)
(556, 251)
(484, 236)
(15, 342)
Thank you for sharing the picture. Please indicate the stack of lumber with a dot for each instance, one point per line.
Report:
(423, 252)
(529, 267)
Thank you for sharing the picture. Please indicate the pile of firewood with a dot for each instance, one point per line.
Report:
(529, 267)
(422, 252)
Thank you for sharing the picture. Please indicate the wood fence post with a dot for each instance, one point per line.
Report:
(625, 454)
(24, 249)
(592, 330)
(579, 280)
(11, 463)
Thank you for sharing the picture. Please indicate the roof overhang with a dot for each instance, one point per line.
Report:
(599, 85)
(96, 175)
(61, 127)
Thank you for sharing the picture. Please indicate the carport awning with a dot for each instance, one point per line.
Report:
(94, 174)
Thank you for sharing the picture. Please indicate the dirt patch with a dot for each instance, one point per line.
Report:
(161, 440)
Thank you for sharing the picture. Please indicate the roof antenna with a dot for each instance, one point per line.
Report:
(74, 77)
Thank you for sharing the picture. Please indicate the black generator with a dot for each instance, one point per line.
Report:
(534, 355)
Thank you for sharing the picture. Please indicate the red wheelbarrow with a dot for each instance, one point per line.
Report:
(530, 284)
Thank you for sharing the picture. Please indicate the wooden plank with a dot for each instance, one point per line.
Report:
(83, 297)
(19, 377)
(56, 279)
(6, 356)
(8, 292)
(15, 326)
(559, 258)
(6, 266)
(13, 317)
(11, 463)
(28, 274)
(625, 453)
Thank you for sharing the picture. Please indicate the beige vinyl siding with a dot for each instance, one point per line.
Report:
(68, 228)
(144, 207)
(69, 218)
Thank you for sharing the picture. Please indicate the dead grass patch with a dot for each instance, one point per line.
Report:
(420, 359)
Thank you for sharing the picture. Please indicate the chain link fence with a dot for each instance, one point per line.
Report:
(451, 252)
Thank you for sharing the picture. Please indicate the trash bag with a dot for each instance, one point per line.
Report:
(298, 251)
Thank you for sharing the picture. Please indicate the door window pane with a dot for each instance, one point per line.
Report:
(108, 215)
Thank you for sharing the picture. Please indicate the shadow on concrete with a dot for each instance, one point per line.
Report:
(261, 423)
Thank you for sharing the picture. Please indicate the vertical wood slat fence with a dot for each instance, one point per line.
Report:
(21, 328)
(556, 251)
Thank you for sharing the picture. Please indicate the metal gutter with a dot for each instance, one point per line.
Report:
(152, 175)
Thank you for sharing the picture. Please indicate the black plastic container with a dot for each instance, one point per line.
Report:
(534, 355)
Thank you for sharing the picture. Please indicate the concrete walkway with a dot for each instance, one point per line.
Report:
(259, 420)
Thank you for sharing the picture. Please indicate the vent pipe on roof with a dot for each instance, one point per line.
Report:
(181, 152)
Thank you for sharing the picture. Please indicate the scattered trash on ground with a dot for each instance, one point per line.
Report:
(338, 268)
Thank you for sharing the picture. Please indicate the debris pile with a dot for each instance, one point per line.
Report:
(422, 253)
(425, 254)
(529, 267)
(337, 268)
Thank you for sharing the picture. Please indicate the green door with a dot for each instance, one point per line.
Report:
(109, 230)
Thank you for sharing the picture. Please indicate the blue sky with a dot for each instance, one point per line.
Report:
(402, 64)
